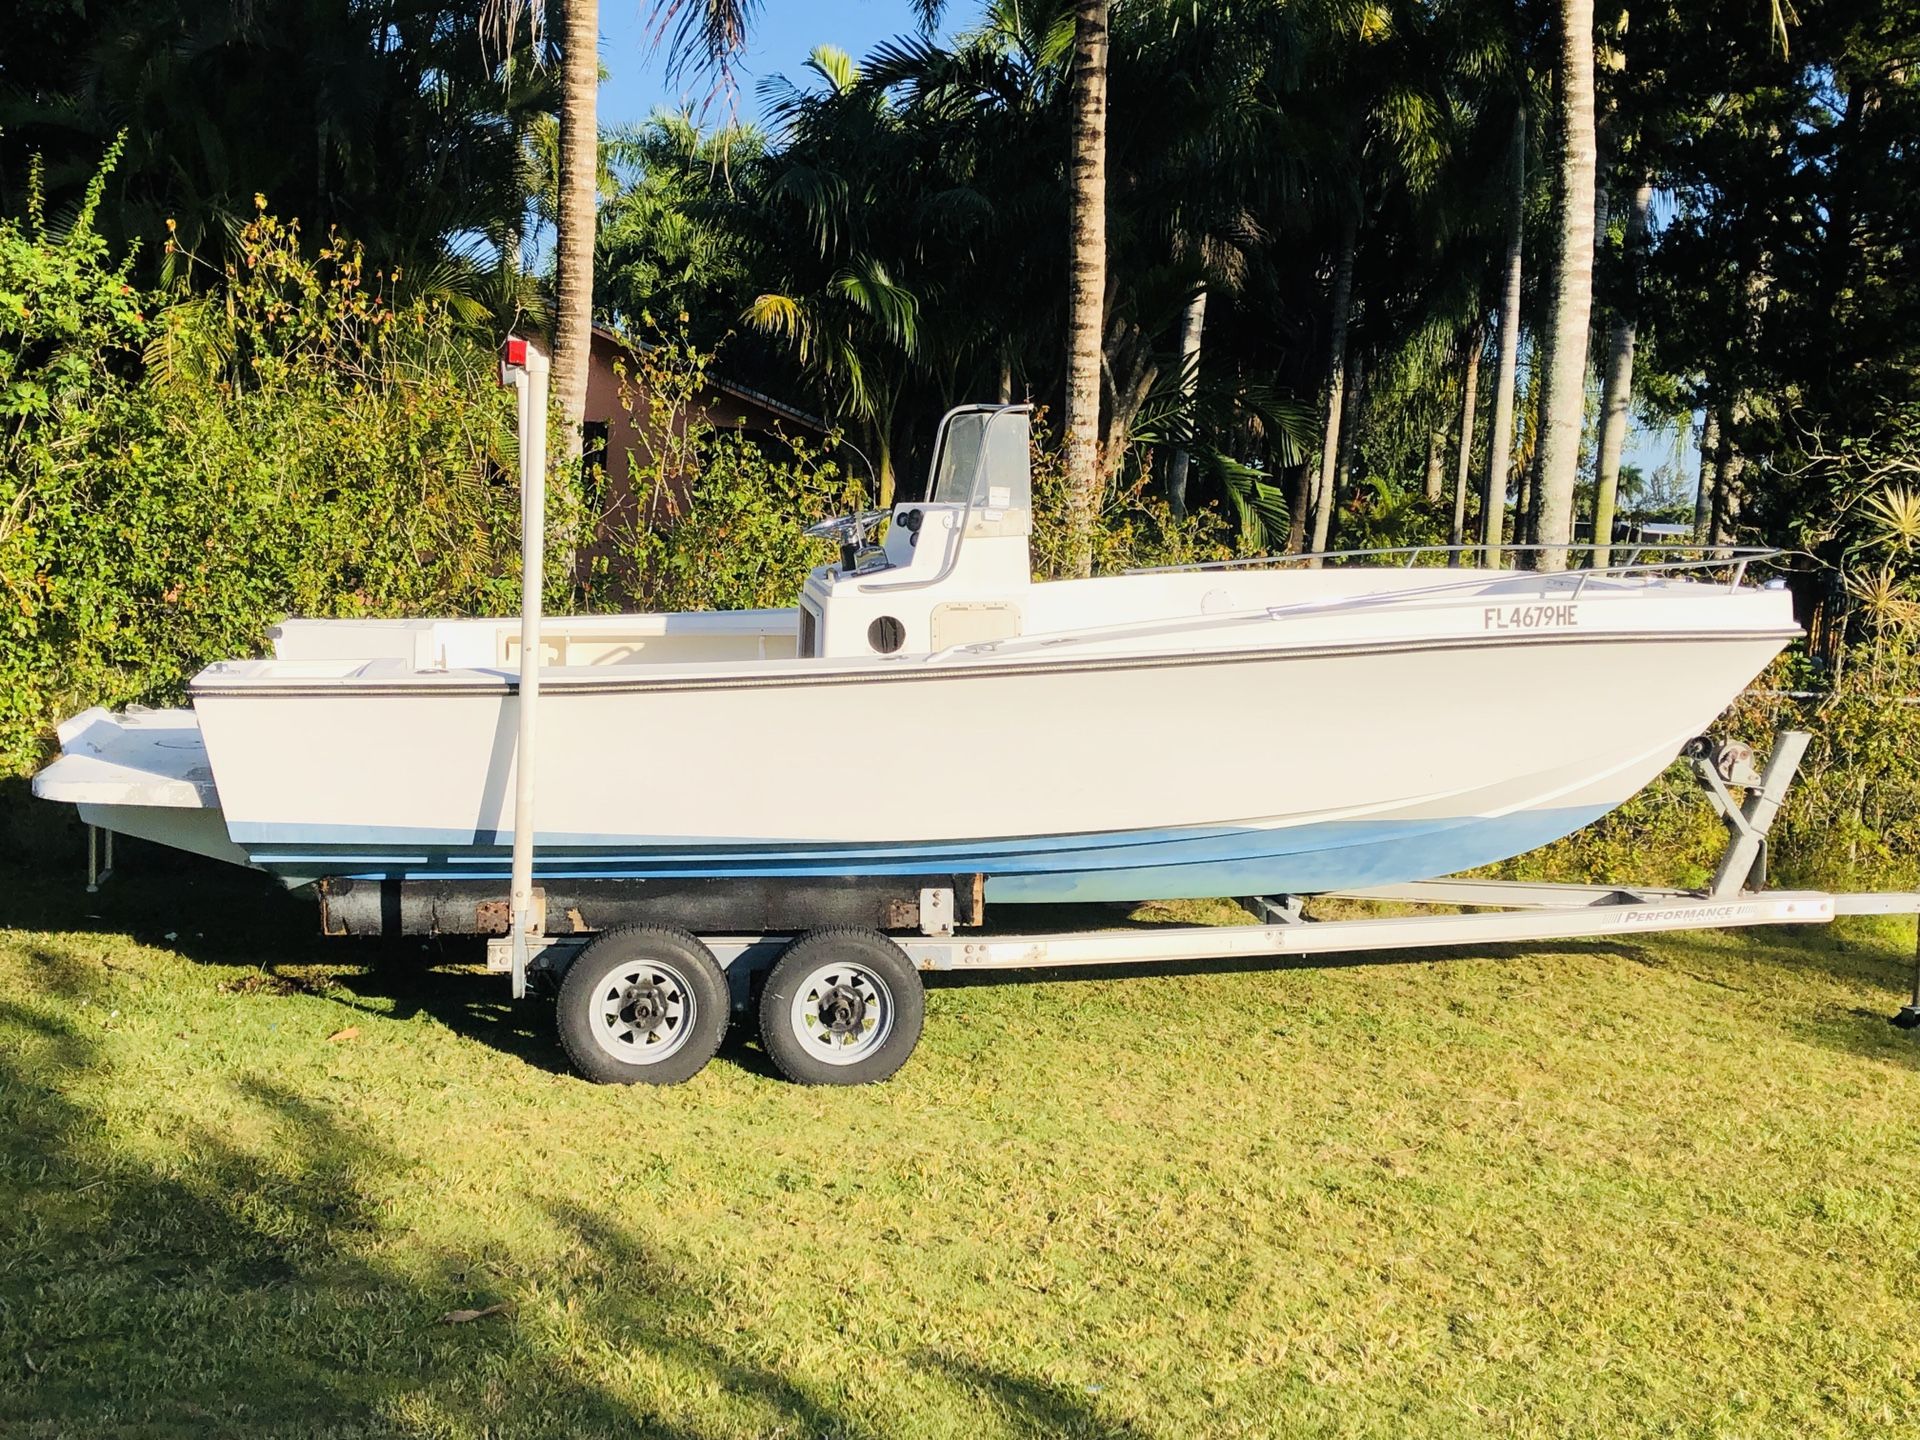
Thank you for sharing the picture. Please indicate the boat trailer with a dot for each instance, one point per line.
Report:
(854, 1014)
(647, 973)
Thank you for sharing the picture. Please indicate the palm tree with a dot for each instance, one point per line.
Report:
(576, 188)
(1391, 128)
(1709, 460)
(1193, 321)
(674, 232)
(1618, 394)
(1563, 401)
(836, 199)
(713, 32)
(1087, 286)
(574, 215)
(406, 128)
(1470, 394)
(1493, 498)
(1323, 496)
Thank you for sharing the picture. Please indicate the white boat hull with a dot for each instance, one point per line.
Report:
(1137, 737)
(1114, 779)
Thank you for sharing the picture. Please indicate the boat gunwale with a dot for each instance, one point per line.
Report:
(970, 665)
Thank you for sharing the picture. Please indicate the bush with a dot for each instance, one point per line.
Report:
(1134, 531)
(719, 519)
(297, 445)
(70, 321)
(1851, 820)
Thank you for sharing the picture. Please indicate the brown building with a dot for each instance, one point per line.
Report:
(616, 429)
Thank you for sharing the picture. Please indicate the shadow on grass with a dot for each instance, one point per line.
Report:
(195, 1282)
(178, 1277)
(219, 914)
(1876, 956)
(1037, 1408)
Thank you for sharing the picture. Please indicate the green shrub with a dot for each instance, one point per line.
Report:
(1135, 531)
(71, 324)
(1854, 818)
(297, 445)
(719, 519)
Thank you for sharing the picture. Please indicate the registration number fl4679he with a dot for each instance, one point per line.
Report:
(1529, 617)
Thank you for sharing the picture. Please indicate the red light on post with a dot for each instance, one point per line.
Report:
(513, 358)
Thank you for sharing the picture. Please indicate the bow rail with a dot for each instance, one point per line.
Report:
(1665, 559)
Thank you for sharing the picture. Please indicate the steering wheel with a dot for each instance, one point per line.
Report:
(847, 529)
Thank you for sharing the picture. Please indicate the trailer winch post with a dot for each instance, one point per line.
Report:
(524, 367)
(1742, 866)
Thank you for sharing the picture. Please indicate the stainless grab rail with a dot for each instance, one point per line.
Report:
(1737, 556)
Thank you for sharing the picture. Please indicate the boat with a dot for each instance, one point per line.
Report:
(927, 707)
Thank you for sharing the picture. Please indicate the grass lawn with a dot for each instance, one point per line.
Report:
(1662, 1186)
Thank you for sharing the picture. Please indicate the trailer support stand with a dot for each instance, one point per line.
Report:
(1908, 1017)
(524, 367)
(98, 874)
(1744, 865)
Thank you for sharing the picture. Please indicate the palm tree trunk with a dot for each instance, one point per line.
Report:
(1709, 463)
(1087, 291)
(1470, 394)
(1563, 405)
(578, 193)
(1493, 500)
(1532, 420)
(1349, 429)
(1619, 384)
(1336, 385)
(1730, 465)
(1193, 322)
(1729, 501)
(1436, 466)
(1299, 501)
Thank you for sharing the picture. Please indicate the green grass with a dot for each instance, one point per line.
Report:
(1665, 1186)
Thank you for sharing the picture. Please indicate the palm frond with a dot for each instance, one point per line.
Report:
(784, 318)
(867, 284)
(1259, 506)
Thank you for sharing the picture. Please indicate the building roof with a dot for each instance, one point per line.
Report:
(719, 382)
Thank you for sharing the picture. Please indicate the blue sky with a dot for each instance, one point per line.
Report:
(784, 32)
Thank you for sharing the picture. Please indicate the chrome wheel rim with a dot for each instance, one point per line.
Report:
(643, 1011)
(842, 1013)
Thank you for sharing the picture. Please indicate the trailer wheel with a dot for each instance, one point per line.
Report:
(841, 1007)
(642, 1003)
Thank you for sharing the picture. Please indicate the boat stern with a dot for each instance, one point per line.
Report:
(142, 773)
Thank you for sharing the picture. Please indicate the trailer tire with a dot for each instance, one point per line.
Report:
(642, 1004)
(842, 1006)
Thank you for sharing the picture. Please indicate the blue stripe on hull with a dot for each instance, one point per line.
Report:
(1351, 864)
(1132, 865)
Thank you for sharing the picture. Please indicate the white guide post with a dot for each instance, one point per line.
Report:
(525, 368)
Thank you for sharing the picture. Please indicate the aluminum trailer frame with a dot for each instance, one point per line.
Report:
(1538, 915)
